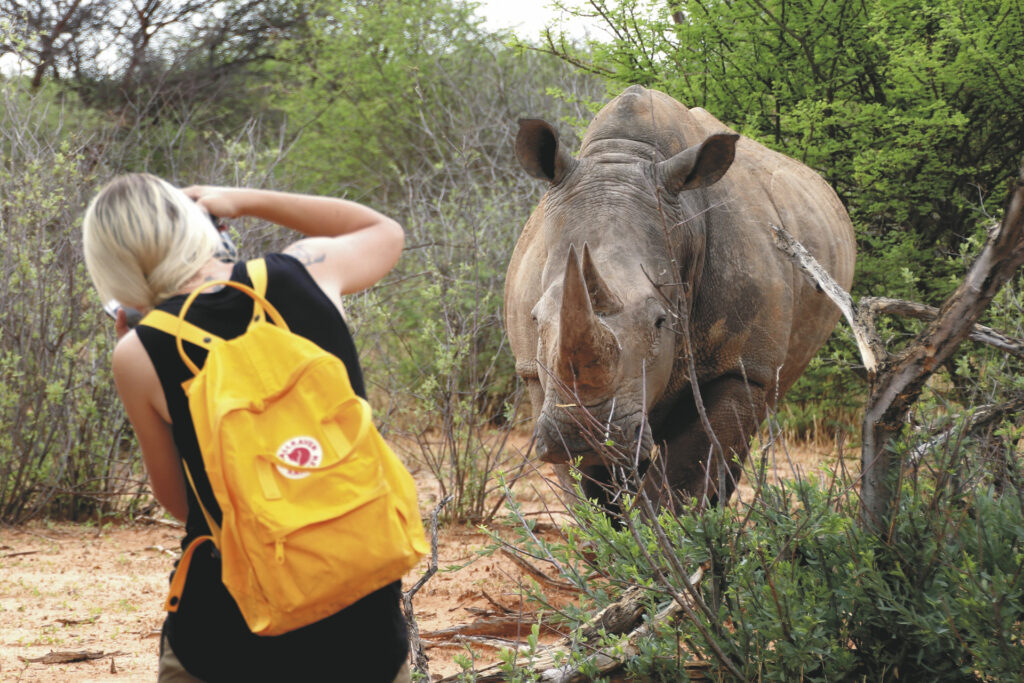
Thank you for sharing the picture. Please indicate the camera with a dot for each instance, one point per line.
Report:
(131, 315)
(228, 251)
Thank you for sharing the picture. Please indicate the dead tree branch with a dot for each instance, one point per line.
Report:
(417, 654)
(896, 390)
(872, 351)
(621, 617)
(897, 380)
(909, 309)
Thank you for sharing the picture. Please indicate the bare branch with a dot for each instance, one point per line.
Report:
(872, 352)
(909, 309)
(897, 388)
(416, 651)
(980, 418)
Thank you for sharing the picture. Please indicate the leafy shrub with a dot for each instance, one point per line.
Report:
(61, 446)
(794, 589)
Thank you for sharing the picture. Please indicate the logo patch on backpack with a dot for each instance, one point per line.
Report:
(304, 451)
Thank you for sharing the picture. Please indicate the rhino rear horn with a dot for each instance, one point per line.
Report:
(540, 153)
(603, 299)
(699, 165)
(588, 353)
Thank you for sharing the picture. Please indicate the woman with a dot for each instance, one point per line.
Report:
(148, 244)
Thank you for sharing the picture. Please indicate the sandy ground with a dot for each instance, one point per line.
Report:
(99, 590)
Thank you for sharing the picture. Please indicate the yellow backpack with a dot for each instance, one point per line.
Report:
(317, 511)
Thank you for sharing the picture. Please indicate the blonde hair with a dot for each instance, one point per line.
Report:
(143, 239)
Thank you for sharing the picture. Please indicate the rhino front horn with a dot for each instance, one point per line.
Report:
(588, 353)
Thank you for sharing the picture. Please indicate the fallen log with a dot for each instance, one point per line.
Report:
(548, 665)
(505, 625)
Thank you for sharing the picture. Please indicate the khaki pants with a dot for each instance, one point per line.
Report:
(171, 670)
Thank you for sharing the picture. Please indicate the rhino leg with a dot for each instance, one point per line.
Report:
(597, 483)
(686, 467)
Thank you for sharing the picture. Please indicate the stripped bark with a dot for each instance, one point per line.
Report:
(872, 351)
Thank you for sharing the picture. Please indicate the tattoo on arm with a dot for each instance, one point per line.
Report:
(304, 256)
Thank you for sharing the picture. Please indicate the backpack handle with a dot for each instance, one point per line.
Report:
(261, 301)
(364, 427)
(265, 472)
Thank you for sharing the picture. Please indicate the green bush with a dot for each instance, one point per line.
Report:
(61, 450)
(795, 590)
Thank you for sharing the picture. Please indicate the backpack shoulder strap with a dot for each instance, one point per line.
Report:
(257, 270)
(173, 325)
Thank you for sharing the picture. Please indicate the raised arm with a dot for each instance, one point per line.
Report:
(348, 246)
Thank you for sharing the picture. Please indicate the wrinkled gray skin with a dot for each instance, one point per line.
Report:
(662, 201)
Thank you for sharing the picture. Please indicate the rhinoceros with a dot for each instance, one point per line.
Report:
(648, 261)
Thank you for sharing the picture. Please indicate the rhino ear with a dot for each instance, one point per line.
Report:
(540, 153)
(700, 165)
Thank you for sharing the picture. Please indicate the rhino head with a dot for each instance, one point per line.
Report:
(622, 244)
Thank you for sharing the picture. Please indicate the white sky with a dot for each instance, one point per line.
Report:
(529, 17)
(526, 17)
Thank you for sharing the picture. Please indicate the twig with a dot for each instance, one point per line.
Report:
(485, 641)
(498, 605)
(417, 655)
(980, 418)
(537, 574)
(173, 523)
(67, 657)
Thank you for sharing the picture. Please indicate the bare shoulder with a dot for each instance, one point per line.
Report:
(131, 363)
(127, 349)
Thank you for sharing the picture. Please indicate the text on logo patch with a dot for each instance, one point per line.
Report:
(302, 450)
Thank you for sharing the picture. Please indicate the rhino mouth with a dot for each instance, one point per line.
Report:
(569, 435)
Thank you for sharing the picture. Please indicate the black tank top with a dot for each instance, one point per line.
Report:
(364, 642)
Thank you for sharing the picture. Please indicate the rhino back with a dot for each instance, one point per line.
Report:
(754, 306)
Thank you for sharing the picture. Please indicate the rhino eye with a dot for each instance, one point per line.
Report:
(660, 322)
